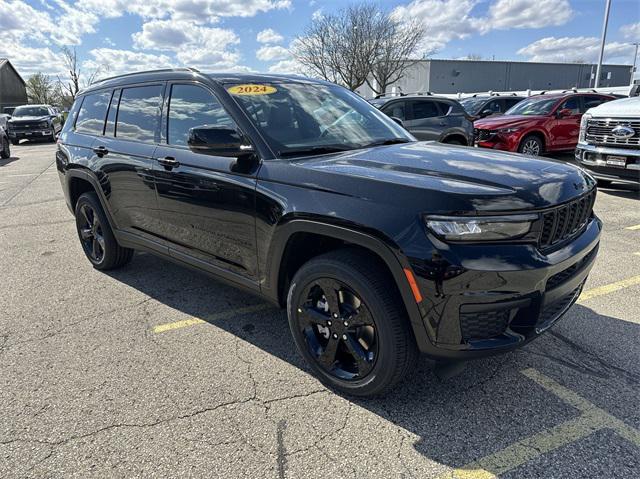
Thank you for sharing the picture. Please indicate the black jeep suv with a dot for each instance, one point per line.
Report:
(379, 246)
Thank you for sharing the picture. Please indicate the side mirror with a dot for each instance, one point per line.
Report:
(486, 113)
(398, 121)
(218, 141)
(565, 112)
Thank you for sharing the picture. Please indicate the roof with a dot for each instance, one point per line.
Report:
(192, 73)
(5, 61)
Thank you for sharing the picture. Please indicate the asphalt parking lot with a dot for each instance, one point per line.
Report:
(157, 371)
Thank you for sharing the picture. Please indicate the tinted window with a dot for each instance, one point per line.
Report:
(192, 106)
(139, 113)
(396, 110)
(425, 109)
(511, 101)
(593, 101)
(572, 104)
(92, 113)
(494, 106)
(445, 108)
(111, 117)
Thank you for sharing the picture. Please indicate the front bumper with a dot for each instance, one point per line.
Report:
(482, 300)
(504, 142)
(593, 158)
(26, 134)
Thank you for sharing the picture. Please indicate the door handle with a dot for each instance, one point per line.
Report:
(169, 162)
(100, 151)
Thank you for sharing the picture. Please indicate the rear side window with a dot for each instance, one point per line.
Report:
(191, 106)
(425, 109)
(395, 110)
(92, 113)
(139, 113)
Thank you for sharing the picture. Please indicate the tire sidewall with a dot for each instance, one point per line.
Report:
(358, 284)
(108, 258)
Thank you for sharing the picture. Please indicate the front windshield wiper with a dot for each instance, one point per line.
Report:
(314, 150)
(389, 141)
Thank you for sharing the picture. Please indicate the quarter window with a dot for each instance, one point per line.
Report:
(92, 113)
(139, 113)
(192, 106)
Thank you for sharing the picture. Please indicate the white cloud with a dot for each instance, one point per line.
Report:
(114, 62)
(269, 36)
(72, 24)
(507, 14)
(29, 60)
(631, 31)
(271, 53)
(19, 20)
(180, 34)
(287, 67)
(566, 49)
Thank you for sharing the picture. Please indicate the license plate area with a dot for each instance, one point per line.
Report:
(616, 161)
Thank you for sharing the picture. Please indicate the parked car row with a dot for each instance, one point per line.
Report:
(31, 122)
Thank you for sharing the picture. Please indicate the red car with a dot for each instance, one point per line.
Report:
(541, 123)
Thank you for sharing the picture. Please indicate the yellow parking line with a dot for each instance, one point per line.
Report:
(609, 288)
(591, 419)
(637, 253)
(636, 227)
(226, 314)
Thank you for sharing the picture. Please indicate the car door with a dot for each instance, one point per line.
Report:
(124, 163)
(565, 130)
(425, 120)
(208, 208)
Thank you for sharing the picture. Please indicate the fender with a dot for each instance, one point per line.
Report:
(394, 262)
(87, 175)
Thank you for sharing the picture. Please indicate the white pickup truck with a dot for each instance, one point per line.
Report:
(609, 142)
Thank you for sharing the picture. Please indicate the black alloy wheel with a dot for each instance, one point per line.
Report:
(91, 235)
(96, 237)
(338, 328)
(5, 153)
(349, 322)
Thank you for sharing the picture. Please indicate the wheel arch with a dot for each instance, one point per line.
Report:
(79, 182)
(455, 136)
(537, 133)
(279, 269)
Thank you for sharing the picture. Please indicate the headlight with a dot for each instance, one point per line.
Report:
(480, 228)
(583, 127)
(509, 130)
(44, 124)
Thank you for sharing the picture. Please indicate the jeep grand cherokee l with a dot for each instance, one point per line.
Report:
(34, 122)
(539, 124)
(379, 246)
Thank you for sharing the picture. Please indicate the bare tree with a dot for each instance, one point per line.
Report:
(342, 47)
(397, 43)
(41, 89)
(77, 79)
(473, 56)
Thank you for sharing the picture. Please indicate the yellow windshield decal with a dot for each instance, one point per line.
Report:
(252, 90)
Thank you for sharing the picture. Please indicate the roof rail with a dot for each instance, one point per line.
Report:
(162, 70)
(572, 90)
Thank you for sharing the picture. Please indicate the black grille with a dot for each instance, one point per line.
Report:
(484, 325)
(600, 132)
(553, 311)
(566, 221)
(481, 135)
(566, 274)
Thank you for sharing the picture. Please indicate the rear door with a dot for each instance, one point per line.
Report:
(208, 208)
(125, 158)
(425, 120)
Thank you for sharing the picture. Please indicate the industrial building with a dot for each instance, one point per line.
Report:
(13, 89)
(454, 76)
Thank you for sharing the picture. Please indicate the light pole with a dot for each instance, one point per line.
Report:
(635, 57)
(604, 36)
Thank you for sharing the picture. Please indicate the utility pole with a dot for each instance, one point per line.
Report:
(635, 57)
(604, 36)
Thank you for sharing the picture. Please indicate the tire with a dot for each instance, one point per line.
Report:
(453, 142)
(371, 340)
(5, 152)
(604, 183)
(531, 145)
(97, 239)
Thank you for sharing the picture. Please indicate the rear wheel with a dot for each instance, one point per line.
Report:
(604, 183)
(96, 237)
(349, 324)
(5, 152)
(531, 145)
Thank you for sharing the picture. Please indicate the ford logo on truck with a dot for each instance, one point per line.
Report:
(623, 132)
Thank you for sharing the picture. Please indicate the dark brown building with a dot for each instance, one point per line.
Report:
(13, 89)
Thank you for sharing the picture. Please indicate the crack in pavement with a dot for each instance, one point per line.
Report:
(28, 184)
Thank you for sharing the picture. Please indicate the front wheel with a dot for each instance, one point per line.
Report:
(5, 152)
(349, 323)
(96, 237)
(531, 145)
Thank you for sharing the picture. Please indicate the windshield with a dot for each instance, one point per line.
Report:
(472, 105)
(31, 111)
(533, 106)
(299, 117)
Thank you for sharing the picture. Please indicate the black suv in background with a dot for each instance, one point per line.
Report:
(34, 122)
(379, 246)
(482, 106)
(429, 117)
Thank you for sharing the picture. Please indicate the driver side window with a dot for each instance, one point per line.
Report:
(572, 104)
(191, 106)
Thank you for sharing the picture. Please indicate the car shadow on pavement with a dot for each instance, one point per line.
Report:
(6, 161)
(484, 410)
(621, 191)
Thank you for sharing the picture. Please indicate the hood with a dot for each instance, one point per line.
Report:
(625, 108)
(473, 179)
(28, 119)
(505, 121)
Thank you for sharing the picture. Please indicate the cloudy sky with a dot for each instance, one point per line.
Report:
(242, 35)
